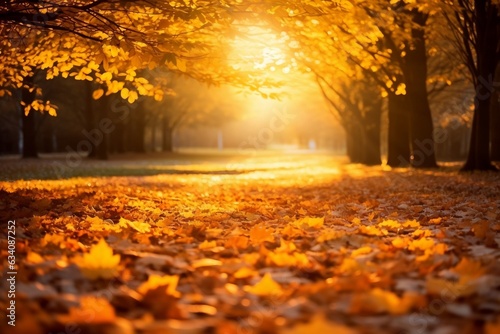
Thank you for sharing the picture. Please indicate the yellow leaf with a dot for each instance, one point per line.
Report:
(33, 257)
(138, 226)
(96, 95)
(132, 97)
(399, 242)
(207, 244)
(155, 281)
(99, 262)
(259, 234)
(265, 287)
(245, 272)
(124, 93)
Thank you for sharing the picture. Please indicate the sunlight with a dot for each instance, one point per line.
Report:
(259, 49)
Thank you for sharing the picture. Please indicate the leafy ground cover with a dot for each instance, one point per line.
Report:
(298, 244)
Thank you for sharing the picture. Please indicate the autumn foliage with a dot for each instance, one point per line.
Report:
(328, 248)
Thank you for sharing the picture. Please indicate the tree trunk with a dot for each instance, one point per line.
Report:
(371, 129)
(138, 128)
(495, 120)
(398, 149)
(168, 143)
(486, 18)
(355, 139)
(420, 118)
(29, 122)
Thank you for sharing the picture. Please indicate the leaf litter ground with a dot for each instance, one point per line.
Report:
(284, 245)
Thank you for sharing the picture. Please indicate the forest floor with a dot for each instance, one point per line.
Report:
(267, 244)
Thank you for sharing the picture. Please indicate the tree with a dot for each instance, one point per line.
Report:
(476, 27)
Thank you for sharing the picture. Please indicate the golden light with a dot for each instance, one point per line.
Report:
(259, 50)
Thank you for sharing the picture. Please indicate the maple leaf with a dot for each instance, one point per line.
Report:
(260, 233)
(156, 281)
(265, 287)
(99, 262)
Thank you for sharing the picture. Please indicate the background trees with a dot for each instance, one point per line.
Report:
(369, 59)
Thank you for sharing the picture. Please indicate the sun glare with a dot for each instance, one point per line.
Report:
(259, 49)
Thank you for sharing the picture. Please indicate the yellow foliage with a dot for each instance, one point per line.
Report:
(399, 242)
(99, 262)
(265, 287)
(421, 244)
(290, 260)
(260, 233)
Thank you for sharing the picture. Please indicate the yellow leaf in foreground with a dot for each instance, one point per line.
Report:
(319, 325)
(99, 262)
(259, 234)
(266, 287)
(138, 226)
(92, 310)
(155, 281)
